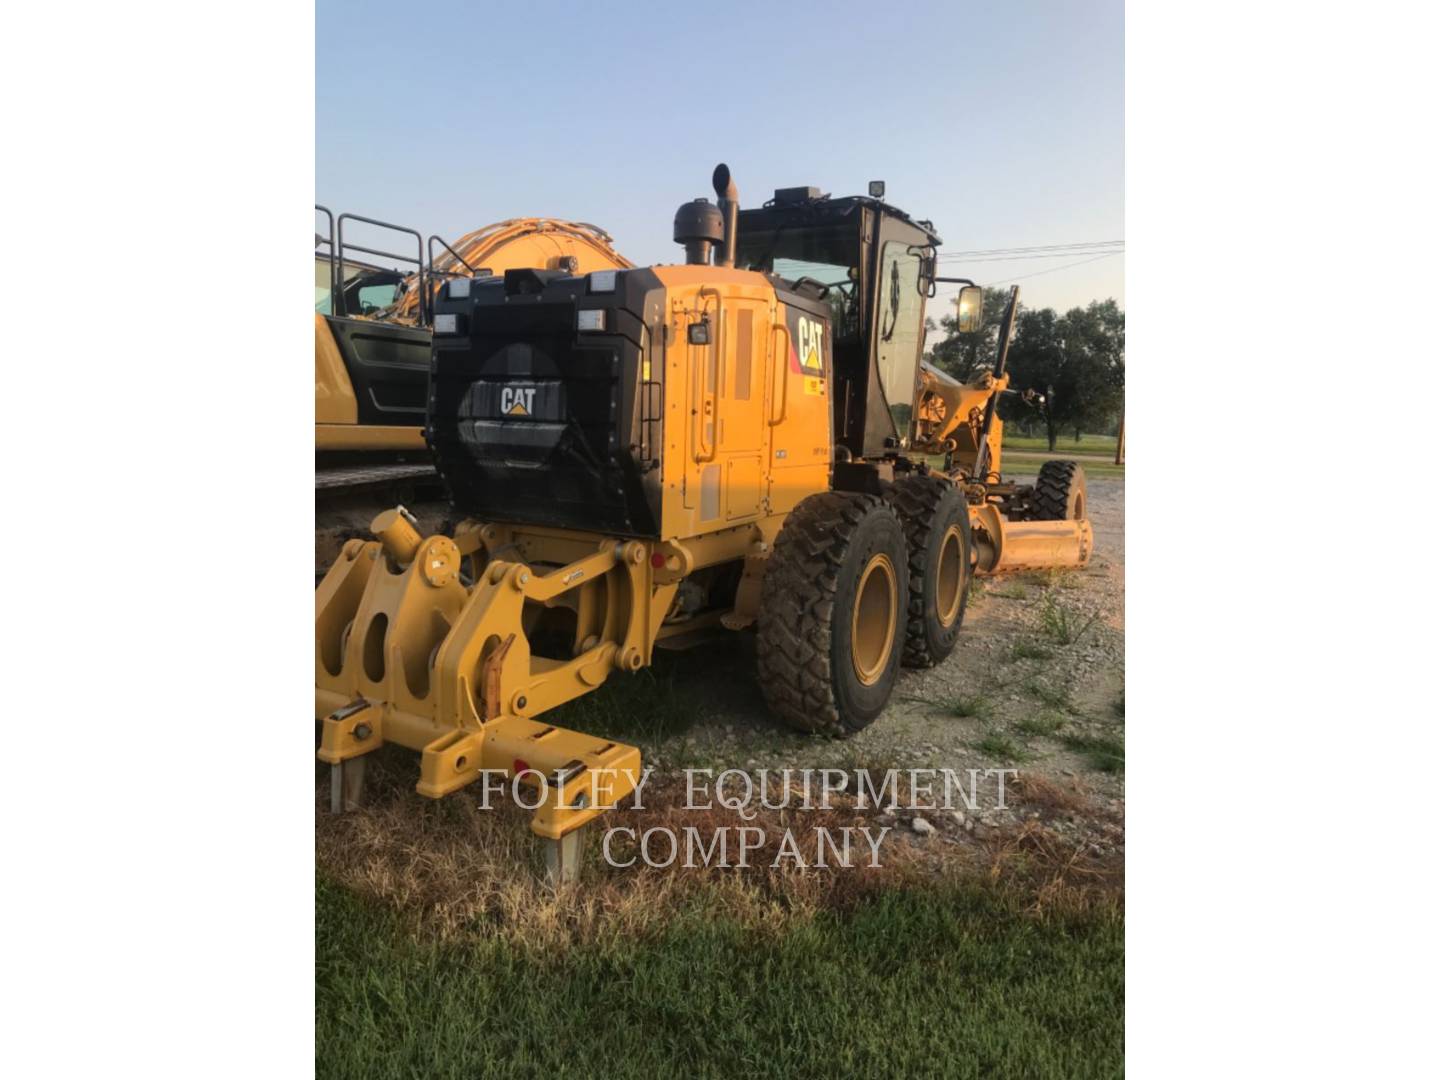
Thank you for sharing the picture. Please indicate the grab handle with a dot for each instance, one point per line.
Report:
(781, 392)
(709, 395)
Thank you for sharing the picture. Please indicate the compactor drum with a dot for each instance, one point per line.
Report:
(645, 456)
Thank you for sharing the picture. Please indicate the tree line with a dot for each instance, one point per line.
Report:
(1076, 360)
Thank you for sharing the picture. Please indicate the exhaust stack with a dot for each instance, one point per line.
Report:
(728, 197)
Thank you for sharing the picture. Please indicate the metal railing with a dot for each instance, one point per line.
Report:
(418, 259)
(328, 241)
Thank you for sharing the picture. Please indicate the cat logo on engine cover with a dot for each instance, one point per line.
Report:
(809, 344)
(517, 400)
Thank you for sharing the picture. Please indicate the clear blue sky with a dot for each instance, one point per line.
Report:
(1002, 123)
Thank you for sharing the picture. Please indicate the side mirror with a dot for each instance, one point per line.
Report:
(970, 309)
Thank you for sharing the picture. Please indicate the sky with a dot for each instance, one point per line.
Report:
(1004, 124)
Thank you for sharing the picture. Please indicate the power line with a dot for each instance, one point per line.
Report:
(1054, 255)
(1035, 247)
(1038, 273)
(1057, 269)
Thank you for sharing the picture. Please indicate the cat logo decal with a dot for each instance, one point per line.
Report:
(809, 344)
(517, 400)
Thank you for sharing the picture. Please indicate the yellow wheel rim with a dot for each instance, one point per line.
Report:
(950, 577)
(872, 625)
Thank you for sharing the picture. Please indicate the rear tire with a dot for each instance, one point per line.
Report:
(832, 613)
(936, 519)
(1059, 492)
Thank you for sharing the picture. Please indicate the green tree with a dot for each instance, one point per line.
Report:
(1077, 360)
(965, 355)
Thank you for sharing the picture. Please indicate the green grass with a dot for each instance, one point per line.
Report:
(650, 704)
(1046, 724)
(1012, 590)
(1103, 753)
(1028, 462)
(967, 708)
(665, 700)
(1066, 444)
(1061, 625)
(999, 745)
(1029, 650)
(1058, 578)
(956, 981)
(1055, 696)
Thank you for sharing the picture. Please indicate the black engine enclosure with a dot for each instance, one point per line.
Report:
(533, 421)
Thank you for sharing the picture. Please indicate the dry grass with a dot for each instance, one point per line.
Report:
(458, 869)
(454, 870)
(1054, 875)
(1048, 796)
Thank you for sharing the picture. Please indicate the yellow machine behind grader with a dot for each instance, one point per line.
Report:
(746, 441)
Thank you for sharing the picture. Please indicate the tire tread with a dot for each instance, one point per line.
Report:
(801, 581)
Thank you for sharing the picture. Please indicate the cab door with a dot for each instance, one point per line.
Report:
(899, 334)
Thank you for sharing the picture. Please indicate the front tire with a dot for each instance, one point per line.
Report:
(1059, 492)
(936, 519)
(832, 613)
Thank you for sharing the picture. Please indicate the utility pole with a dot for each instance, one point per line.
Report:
(1120, 441)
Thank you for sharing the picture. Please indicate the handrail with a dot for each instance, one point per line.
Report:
(453, 254)
(418, 259)
(427, 298)
(330, 244)
(782, 375)
(712, 396)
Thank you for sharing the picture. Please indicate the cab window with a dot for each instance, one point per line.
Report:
(898, 329)
(376, 298)
(828, 254)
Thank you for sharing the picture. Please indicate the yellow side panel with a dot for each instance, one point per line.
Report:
(368, 437)
(743, 490)
(334, 396)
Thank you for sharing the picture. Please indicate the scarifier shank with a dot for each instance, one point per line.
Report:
(406, 653)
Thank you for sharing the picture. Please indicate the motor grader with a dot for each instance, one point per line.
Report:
(743, 442)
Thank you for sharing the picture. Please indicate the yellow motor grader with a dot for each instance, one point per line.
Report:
(743, 442)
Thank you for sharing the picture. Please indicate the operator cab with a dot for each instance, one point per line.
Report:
(873, 265)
